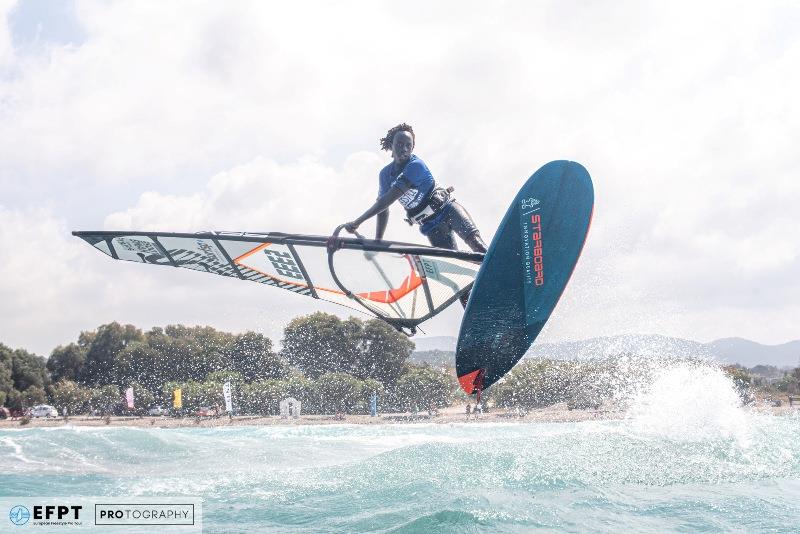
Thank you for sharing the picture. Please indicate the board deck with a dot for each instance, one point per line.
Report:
(524, 272)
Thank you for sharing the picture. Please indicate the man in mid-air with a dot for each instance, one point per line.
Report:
(408, 180)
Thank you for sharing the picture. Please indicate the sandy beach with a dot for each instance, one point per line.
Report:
(453, 414)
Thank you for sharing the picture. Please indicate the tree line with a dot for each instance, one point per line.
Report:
(329, 364)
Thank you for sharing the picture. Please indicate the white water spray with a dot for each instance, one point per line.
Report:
(689, 401)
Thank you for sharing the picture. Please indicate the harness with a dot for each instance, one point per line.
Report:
(437, 200)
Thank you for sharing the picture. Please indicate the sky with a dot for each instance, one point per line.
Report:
(266, 116)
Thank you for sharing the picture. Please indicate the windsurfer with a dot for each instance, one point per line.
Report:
(408, 180)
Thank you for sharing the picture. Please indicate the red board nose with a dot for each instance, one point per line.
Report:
(467, 381)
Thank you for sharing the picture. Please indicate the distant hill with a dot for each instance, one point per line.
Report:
(729, 350)
(766, 371)
(645, 345)
(749, 353)
(445, 343)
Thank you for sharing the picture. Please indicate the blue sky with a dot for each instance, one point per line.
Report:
(41, 23)
(259, 116)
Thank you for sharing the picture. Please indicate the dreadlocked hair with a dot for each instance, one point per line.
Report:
(386, 142)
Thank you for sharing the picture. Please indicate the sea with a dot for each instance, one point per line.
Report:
(686, 456)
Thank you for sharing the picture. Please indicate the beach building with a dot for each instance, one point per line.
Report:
(290, 407)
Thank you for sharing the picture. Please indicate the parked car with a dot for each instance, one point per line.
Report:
(44, 410)
(157, 410)
(206, 411)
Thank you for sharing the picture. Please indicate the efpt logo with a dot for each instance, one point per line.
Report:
(19, 515)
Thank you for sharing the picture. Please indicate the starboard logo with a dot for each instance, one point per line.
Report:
(530, 203)
(532, 252)
(538, 258)
(531, 226)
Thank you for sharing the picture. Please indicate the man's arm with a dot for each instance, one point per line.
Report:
(380, 205)
(383, 220)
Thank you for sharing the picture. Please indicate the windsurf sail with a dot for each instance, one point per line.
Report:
(403, 284)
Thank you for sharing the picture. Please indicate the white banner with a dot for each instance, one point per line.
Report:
(226, 392)
(129, 397)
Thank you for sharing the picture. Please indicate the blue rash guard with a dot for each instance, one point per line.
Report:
(414, 176)
(417, 178)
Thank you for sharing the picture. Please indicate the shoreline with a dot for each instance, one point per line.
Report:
(558, 413)
(554, 414)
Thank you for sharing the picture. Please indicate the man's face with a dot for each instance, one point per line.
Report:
(402, 146)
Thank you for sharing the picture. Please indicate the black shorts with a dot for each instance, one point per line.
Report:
(455, 221)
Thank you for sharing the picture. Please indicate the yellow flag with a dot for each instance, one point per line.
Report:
(176, 399)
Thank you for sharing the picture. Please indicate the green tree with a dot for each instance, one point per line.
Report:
(6, 372)
(211, 349)
(339, 392)
(742, 381)
(304, 390)
(263, 396)
(191, 353)
(517, 387)
(32, 396)
(738, 375)
(424, 388)
(67, 362)
(383, 352)
(322, 343)
(14, 400)
(253, 357)
(106, 343)
(141, 363)
(28, 370)
(175, 353)
(581, 384)
(220, 377)
(105, 399)
(70, 394)
(23, 378)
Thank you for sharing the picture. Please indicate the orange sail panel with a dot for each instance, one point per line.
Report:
(412, 282)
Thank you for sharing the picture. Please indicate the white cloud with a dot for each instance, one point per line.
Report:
(6, 50)
(255, 116)
(263, 195)
(44, 286)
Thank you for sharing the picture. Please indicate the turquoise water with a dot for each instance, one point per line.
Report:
(699, 464)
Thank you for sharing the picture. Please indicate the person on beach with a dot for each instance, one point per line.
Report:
(469, 408)
(408, 180)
